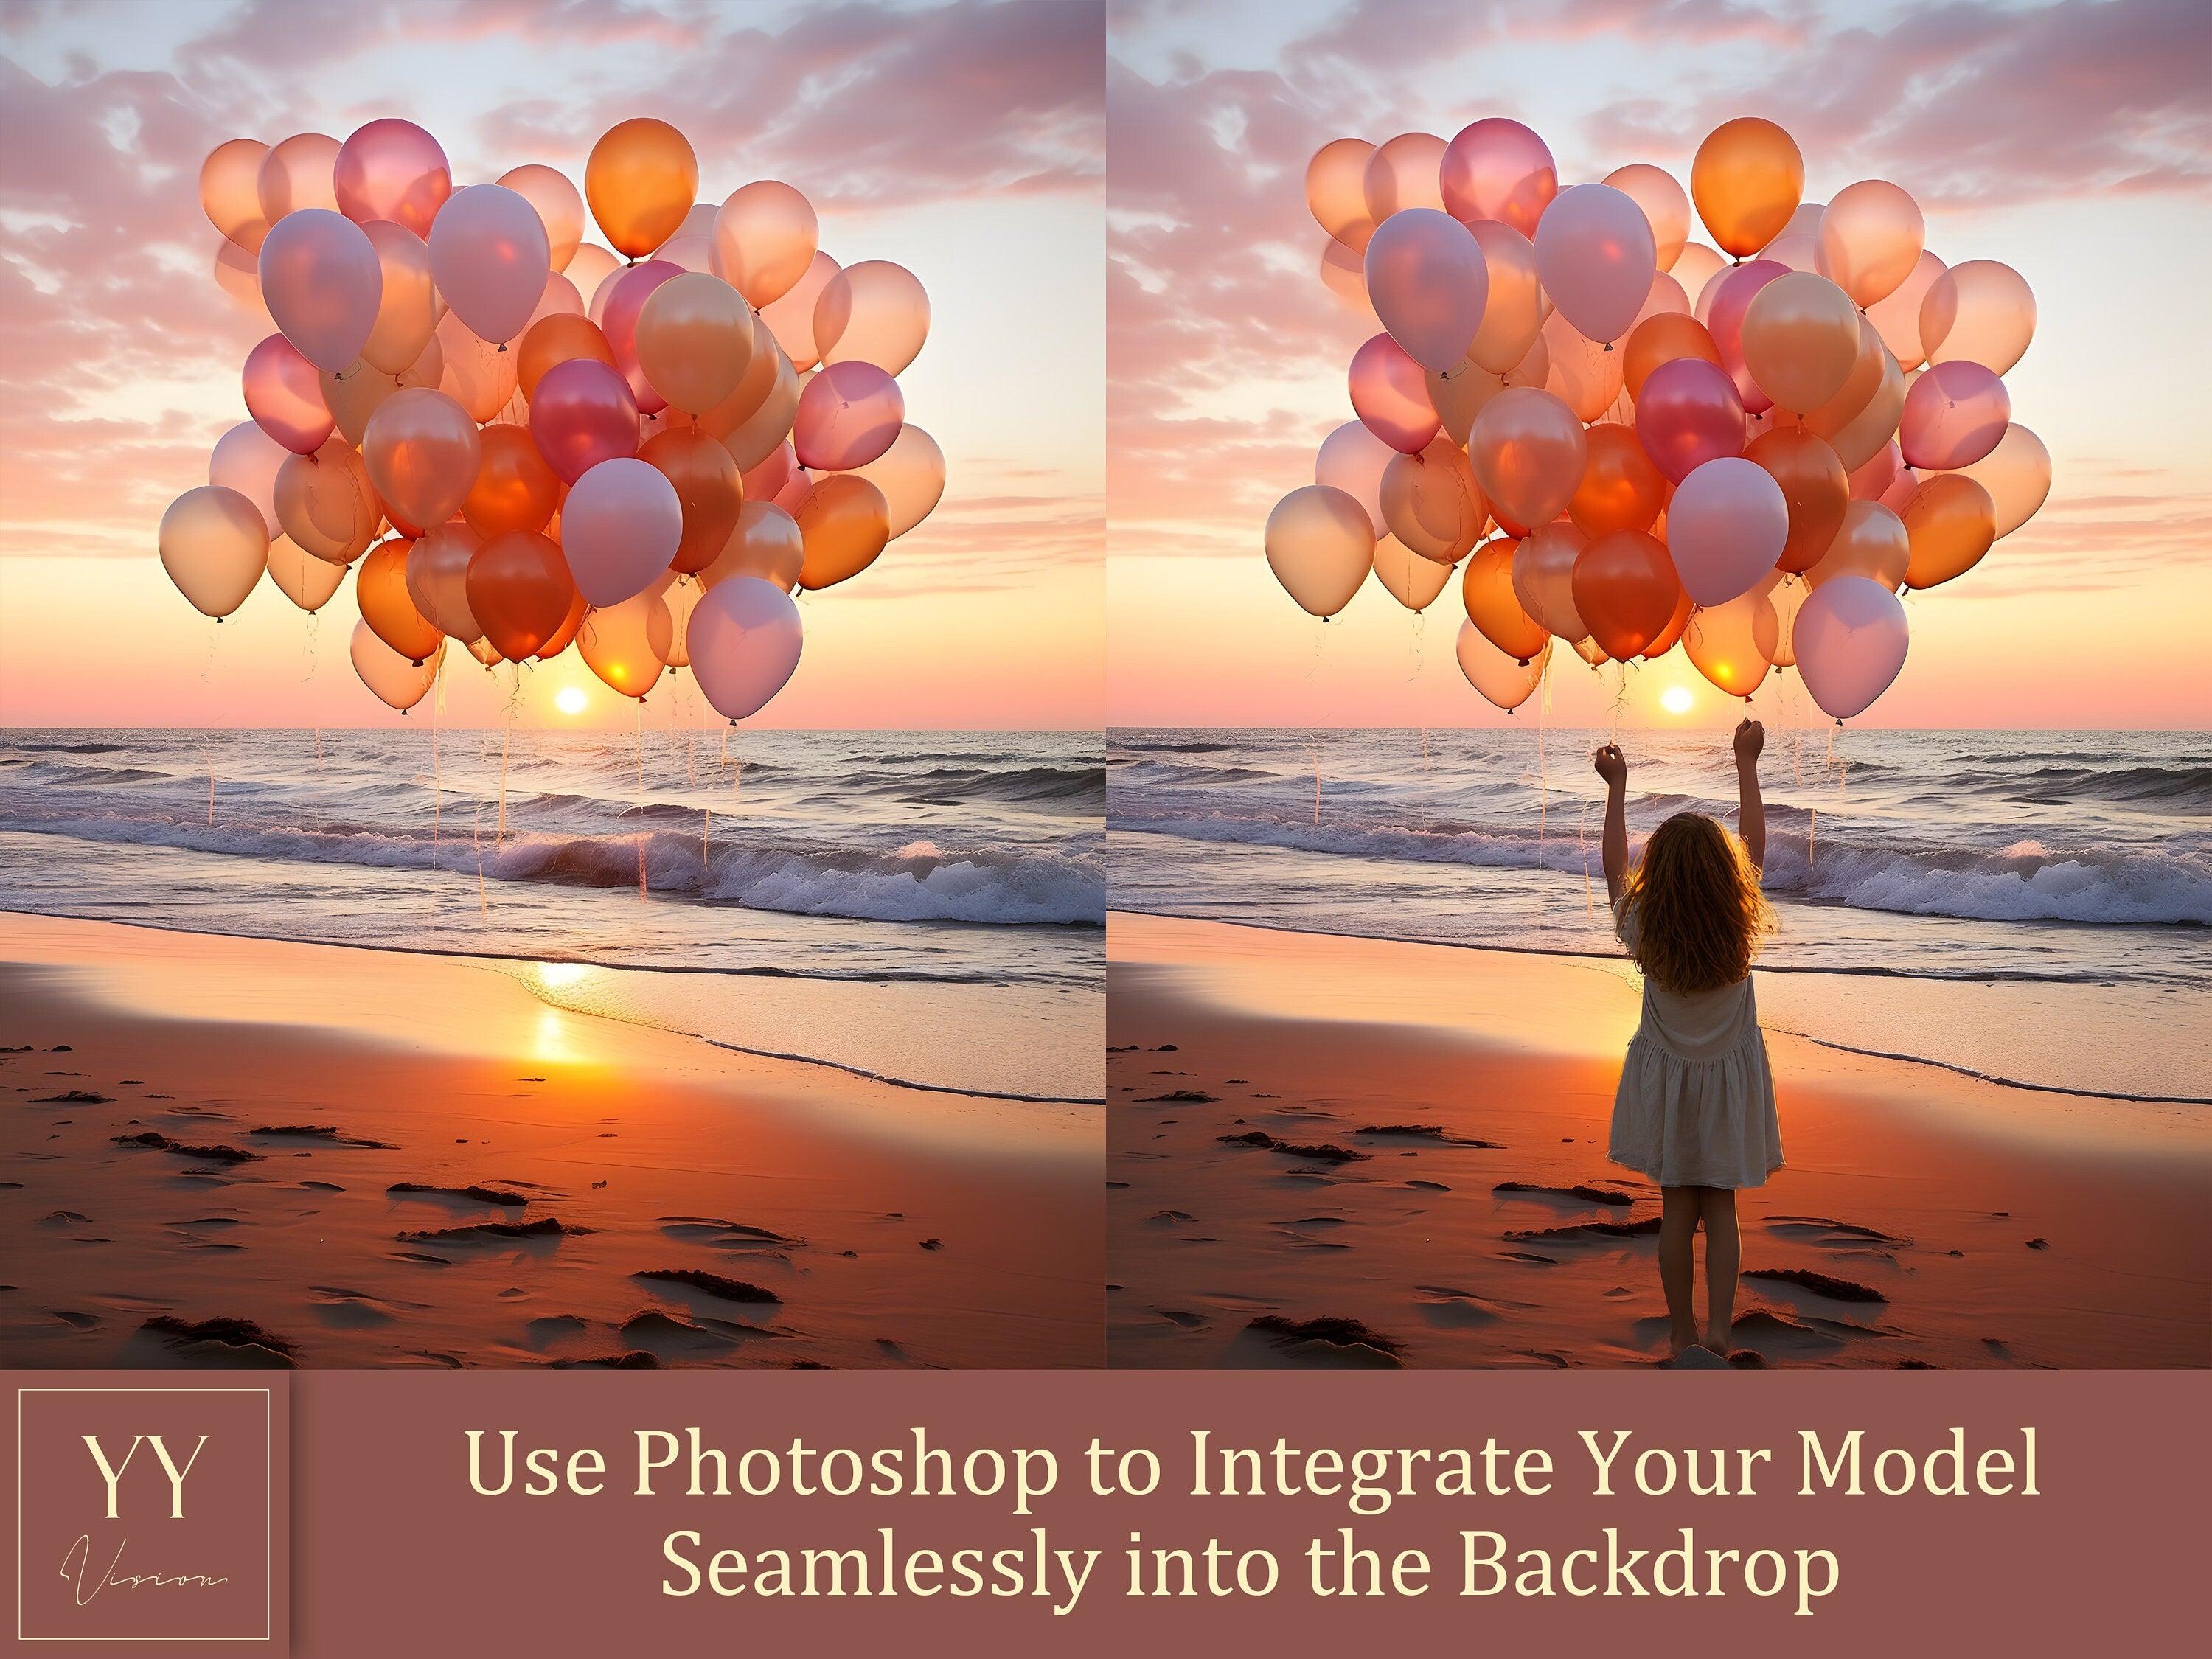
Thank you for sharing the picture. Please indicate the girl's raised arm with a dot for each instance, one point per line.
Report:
(1750, 739)
(1613, 767)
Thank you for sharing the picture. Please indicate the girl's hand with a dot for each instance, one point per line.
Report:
(1750, 739)
(1611, 765)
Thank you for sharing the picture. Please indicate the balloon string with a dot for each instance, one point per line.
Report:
(640, 742)
(505, 738)
(437, 777)
(476, 840)
(1582, 845)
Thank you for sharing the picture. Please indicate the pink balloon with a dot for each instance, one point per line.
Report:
(1725, 526)
(1688, 414)
(626, 294)
(1850, 639)
(1428, 283)
(849, 414)
(1498, 169)
(1390, 397)
(393, 169)
(323, 282)
(1596, 257)
(489, 257)
(1955, 413)
(1732, 293)
(283, 394)
(245, 458)
(744, 639)
(620, 527)
(1352, 459)
(1873, 480)
(583, 415)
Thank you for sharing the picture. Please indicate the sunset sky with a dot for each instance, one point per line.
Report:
(963, 141)
(2073, 141)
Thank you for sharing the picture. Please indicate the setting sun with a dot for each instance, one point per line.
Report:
(1675, 699)
(570, 699)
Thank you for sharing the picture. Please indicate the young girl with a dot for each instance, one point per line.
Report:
(1695, 1109)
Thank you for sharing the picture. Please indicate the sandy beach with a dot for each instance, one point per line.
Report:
(239, 1151)
(1333, 1151)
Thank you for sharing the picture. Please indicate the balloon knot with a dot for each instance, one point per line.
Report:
(502, 345)
(1608, 345)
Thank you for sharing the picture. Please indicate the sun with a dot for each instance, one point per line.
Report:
(1675, 699)
(570, 699)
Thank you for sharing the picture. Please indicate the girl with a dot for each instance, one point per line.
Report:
(1695, 1109)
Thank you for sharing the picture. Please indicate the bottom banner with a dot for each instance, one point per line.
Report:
(372, 1513)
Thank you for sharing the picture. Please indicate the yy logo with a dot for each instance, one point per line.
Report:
(112, 1474)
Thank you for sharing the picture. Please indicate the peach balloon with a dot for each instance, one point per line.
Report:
(708, 493)
(302, 578)
(360, 392)
(423, 452)
(668, 623)
(766, 542)
(515, 487)
(438, 578)
(1725, 641)
(297, 173)
(1871, 542)
(392, 170)
(1626, 591)
(1951, 522)
(615, 642)
(754, 439)
(1800, 340)
(1390, 397)
(1897, 316)
(1620, 488)
(1460, 392)
(1687, 414)
(247, 460)
(325, 505)
(1666, 206)
(779, 472)
(230, 191)
(1503, 681)
(1585, 373)
(1880, 473)
(844, 521)
(1336, 190)
(555, 339)
(2017, 473)
(911, 475)
(1955, 413)
(874, 312)
(765, 237)
(1320, 545)
(1815, 489)
(407, 308)
(582, 414)
(1978, 312)
(1747, 180)
(1544, 578)
(518, 589)
(1487, 590)
(791, 319)
(589, 270)
(1406, 577)
(1696, 268)
(1871, 236)
(1497, 169)
(849, 414)
(1354, 459)
(478, 374)
(380, 588)
(560, 207)
(238, 274)
(323, 282)
(1660, 339)
(396, 681)
(1432, 504)
(214, 545)
(1514, 307)
(693, 340)
(1529, 452)
(284, 398)
(639, 180)
(1403, 173)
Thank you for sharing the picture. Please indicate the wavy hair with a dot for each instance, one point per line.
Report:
(1700, 916)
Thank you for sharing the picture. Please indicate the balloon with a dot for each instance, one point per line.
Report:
(1978, 312)
(395, 680)
(1388, 395)
(1544, 578)
(1897, 316)
(1725, 641)
(1688, 414)
(1732, 294)
(478, 374)
(392, 170)
(1595, 254)
(616, 641)
(640, 181)
(1950, 522)
(589, 271)
(1460, 393)
(767, 543)
(693, 339)
(845, 522)
(483, 651)
(618, 321)
(1585, 375)
(669, 619)
(566, 633)
(779, 473)
(2017, 473)
(1884, 472)
(1354, 459)
(1621, 489)
(1664, 298)
(1486, 589)
(230, 191)
(1747, 180)
(490, 256)
(247, 460)
(323, 282)
(1859, 418)
(1726, 526)
(765, 237)
(518, 588)
(1872, 542)
(692, 246)
(1503, 681)
(1498, 169)
(1813, 485)
(1427, 280)
(1799, 253)
(407, 306)
(621, 525)
(1412, 580)
(1528, 452)
(1695, 271)
(296, 173)
(1432, 504)
(708, 493)
(1336, 190)
(555, 339)
(744, 640)
(1666, 206)
(300, 577)
(516, 488)
(1626, 591)
(380, 589)
(214, 545)
(873, 312)
(438, 579)
(849, 414)
(1514, 303)
(423, 452)
(1674, 629)
(1955, 413)
(582, 414)
(791, 319)
(1320, 545)
(1871, 236)
(559, 209)
(1850, 642)
(284, 398)
(1800, 340)
(911, 475)
(754, 439)
(1660, 339)
(357, 394)
(325, 505)
(238, 273)
(1403, 173)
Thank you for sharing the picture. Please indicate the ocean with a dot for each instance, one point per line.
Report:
(2031, 907)
(924, 907)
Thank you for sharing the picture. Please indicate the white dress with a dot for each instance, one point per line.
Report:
(1696, 1103)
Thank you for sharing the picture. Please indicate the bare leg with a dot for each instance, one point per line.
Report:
(1723, 1255)
(1677, 1228)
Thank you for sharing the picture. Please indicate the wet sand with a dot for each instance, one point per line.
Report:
(1430, 1186)
(237, 1152)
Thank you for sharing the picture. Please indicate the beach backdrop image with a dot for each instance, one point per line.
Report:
(551, 796)
(1658, 798)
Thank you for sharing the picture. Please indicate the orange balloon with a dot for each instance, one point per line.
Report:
(641, 180)
(325, 502)
(1626, 592)
(571, 625)
(555, 339)
(380, 589)
(1493, 607)
(1585, 373)
(1684, 607)
(515, 490)
(1431, 503)
(845, 522)
(694, 340)
(767, 543)
(1800, 340)
(1872, 541)
(617, 642)
(1660, 339)
(518, 589)
(707, 488)
(1951, 521)
(1621, 489)
(421, 450)
(1729, 642)
(1814, 487)
(1747, 180)
(1528, 451)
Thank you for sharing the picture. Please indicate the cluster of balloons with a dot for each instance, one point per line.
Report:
(641, 450)
(1747, 449)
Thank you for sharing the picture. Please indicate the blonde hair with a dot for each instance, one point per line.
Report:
(1700, 916)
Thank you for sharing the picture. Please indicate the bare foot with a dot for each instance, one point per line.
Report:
(1683, 1337)
(1719, 1343)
